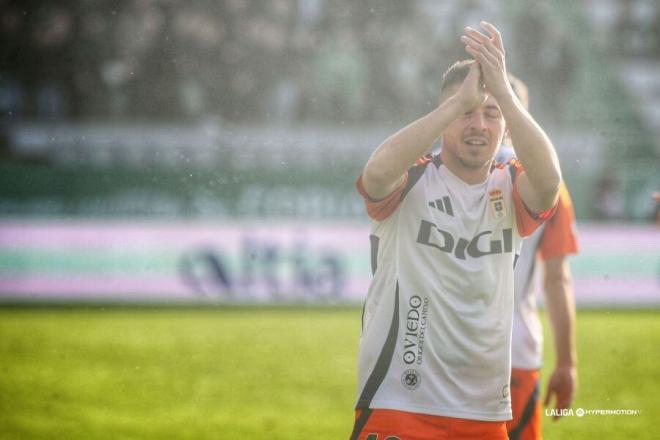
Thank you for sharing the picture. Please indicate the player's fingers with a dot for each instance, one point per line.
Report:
(493, 49)
(487, 42)
(564, 399)
(493, 59)
(473, 48)
(549, 391)
(563, 404)
(494, 33)
(466, 39)
(486, 47)
(478, 56)
(475, 34)
(473, 51)
(484, 44)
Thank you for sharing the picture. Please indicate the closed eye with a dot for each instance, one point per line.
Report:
(493, 112)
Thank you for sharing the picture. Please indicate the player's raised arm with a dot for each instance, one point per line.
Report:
(539, 184)
(386, 167)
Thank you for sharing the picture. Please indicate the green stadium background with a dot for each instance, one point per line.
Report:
(183, 253)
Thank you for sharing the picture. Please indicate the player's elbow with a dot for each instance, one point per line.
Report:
(541, 201)
(548, 178)
(547, 191)
(551, 180)
(377, 181)
(547, 198)
(374, 174)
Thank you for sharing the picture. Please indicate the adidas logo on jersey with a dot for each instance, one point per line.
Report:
(430, 235)
(443, 205)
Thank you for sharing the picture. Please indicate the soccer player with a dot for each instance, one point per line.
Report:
(434, 358)
(553, 242)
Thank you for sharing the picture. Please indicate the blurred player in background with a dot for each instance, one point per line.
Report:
(553, 242)
(434, 358)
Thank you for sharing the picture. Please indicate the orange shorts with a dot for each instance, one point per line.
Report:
(389, 424)
(526, 405)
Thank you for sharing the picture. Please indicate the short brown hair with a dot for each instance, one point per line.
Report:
(456, 74)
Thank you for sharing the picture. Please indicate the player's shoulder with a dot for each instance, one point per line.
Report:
(428, 159)
(512, 167)
(513, 163)
(421, 166)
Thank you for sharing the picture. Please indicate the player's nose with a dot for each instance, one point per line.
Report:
(478, 121)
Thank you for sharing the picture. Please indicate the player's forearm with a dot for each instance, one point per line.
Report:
(560, 306)
(534, 150)
(387, 165)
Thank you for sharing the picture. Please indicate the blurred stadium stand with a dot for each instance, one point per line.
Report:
(207, 150)
(215, 92)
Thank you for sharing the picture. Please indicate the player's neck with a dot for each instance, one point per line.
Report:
(469, 175)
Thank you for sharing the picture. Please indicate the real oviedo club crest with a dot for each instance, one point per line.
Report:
(496, 202)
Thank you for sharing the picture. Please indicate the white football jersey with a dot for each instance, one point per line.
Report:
(436, 328)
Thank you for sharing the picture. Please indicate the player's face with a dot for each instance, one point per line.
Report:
(473, 139)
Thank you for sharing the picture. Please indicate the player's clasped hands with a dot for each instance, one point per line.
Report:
(488, 51)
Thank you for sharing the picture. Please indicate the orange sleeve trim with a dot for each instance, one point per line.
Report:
(526, 220)
(381, 209)
(559, 236)
(424, 160)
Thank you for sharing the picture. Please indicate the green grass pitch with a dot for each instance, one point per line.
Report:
(260, 374)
